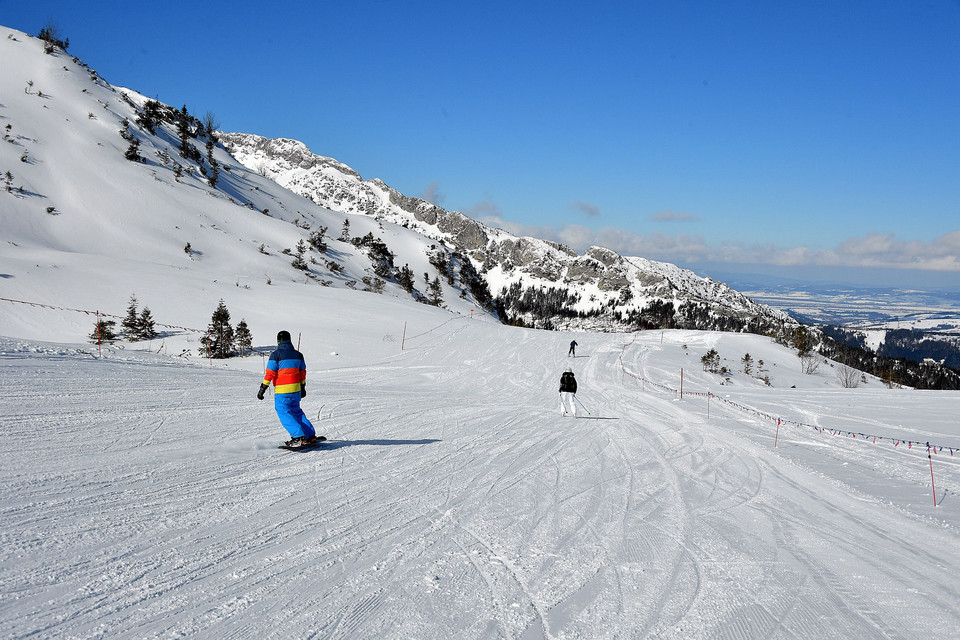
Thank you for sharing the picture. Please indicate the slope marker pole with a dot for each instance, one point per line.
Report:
(934, 486)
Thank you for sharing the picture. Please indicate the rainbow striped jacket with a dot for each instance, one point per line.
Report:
(286, 369)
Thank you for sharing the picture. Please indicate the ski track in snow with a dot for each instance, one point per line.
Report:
(451, 501)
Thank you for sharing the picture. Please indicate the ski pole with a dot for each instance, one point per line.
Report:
(581, 404)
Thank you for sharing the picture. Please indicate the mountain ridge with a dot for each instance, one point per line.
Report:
(615, 288)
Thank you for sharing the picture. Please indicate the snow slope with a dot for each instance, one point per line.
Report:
(85, 228)
(454, 501)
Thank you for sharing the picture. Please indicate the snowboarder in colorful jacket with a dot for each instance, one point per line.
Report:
(568, 393)
(288, 373)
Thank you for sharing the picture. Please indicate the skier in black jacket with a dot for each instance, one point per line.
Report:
(568, 393)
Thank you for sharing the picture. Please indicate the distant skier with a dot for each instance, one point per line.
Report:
(568, 393)
(287, 371)
(573, 349)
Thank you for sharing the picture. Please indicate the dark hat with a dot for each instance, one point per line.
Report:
(283, 335)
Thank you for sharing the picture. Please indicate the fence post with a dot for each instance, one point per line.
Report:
(932, 484)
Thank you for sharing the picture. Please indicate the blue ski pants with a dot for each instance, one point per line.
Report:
(291, 415)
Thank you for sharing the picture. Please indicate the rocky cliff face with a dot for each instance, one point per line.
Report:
(534, 281)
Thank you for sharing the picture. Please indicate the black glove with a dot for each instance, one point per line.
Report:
(263, 389)
(303, 389)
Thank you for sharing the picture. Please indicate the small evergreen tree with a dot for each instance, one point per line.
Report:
(711, 361)
(435, 292)
(243, 337)
(219, 341)
(747, 362)
(405, 278)
(317, 241)
(50, 34)
(802, 341)
(133, 151)
(151, 116)
(125, 130)
(146, 327)
(131, 322)
(183, 131)
(345, 231)
(214, 176)
(210, 125)
(103, 332)
(298, 261)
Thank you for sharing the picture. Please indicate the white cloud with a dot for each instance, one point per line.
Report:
(874, 250)
(433, 195)
(674, 216)
(585, 207)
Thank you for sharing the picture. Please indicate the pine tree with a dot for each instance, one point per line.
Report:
(125, 130)
(405, 278)
(436, 292)
(103, 332)
(146, 327)
(50, 34)
(244, 339)
(317, 241)
(345, 231)
(133, 151)
(131, 323)
(747, 362)
(211, 125)
(151, 116)
(183, 131)
(298, 261)
(711, 361)
(219, 341)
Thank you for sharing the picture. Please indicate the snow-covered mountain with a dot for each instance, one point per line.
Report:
(106, 194)
(598, 290)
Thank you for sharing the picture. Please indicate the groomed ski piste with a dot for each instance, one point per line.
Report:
(143, 495)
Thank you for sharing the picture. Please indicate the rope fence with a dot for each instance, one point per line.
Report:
(97, 314)
(931, 448)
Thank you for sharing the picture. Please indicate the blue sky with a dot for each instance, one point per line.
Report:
(804, 137)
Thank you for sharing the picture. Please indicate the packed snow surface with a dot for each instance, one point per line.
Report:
(143, 496)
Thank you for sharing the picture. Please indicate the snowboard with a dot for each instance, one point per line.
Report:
(313, 445)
